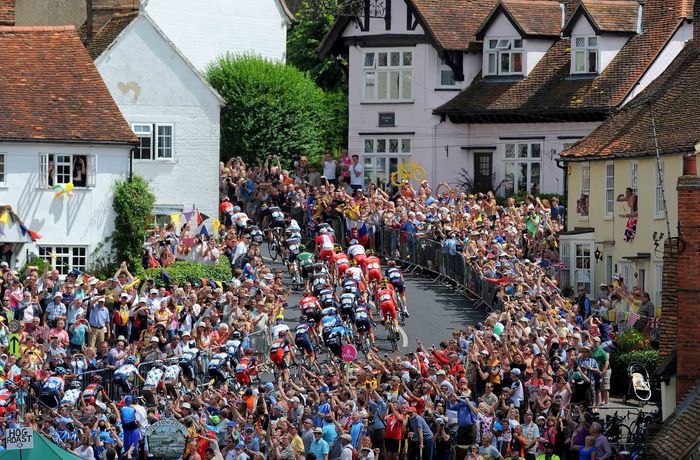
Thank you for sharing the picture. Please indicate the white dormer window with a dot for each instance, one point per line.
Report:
(504, 56)
(584, 55)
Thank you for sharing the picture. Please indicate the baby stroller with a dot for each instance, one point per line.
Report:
(639, 387)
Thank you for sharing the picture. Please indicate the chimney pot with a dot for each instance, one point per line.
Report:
(690, 165)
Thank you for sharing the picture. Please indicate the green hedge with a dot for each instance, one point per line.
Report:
(619, 362)
(33, 262)
(182, 271)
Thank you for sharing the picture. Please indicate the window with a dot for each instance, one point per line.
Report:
(64, 258)
(523, 168)
(155, 141)
(504, 56)
(2, 169)
(566, 259)
(584, 57)
(446, 77)
(609, 189)
(634, 176)
(583, 266)
(626, 272)
(388, 76)
(660, 209)
(383, 157)
(80, 170)
(585, 179)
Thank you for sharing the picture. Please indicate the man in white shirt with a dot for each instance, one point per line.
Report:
(329, 167)
(357, 173)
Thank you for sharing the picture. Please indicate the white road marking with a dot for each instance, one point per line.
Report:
(404, 337)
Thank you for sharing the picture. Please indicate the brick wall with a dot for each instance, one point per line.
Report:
(669, 299)
(688, 303)
(7, 12)
(103, 10)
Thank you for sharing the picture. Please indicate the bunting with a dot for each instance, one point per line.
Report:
(215, 225)
(4, 217)
(188, 215)
(7, 215)
(199, 218)
(175, 219)
(203, 231)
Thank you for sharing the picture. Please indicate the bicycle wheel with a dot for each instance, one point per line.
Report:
(418, 173)
(399, 177)
(273, 247)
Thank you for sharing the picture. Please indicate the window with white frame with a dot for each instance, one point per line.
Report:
(659, 208)
(504, 56)
(626, 272)
(62, 169)
(585, 179)
(446, 77)
(582, 266)
(609, 189)
(383, 157)
(634, 176)
(388, 76)
(523, 165)
(64, 258)
(2, 169)
(566, 258)
(155, 141)
(584, 55)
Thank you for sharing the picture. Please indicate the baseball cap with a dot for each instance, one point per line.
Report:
(153, 291)
(185, 405)
(318, 430)
(515, 371)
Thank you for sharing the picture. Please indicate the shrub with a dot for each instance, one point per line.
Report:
(620, 361)
(33, 262)
(182, 271)
(632, 340)
(133, 203)
(272, 109)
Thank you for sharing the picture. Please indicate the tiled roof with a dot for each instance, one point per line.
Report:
(50, 90)
(453, 23)
(680, 432)
(109, 32)
(611, 16)
(674, 97)
(549, 88)
(530, 17)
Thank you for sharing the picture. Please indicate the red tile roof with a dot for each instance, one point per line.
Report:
(50, 90)
(674, 98)
(550, 89)
(453, 23)
(612, 16)
(680, 434)
(532, 18)
(109, 32)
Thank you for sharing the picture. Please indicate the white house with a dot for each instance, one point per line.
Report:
(171, 108)
(206, 29)
(519, 92)
(58, 126)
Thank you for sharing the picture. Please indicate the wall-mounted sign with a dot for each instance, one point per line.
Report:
(387, 119)
(167, 438)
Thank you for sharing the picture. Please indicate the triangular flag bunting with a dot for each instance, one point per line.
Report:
(188, 215)
(203, 216)
(23, 229)
(4, 216)
(204, 231)
(199, 218)
(34, 235)
(175, 219)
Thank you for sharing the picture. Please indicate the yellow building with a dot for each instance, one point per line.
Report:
(620, 154)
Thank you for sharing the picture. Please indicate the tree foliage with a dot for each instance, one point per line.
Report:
(133, 202)
(184, 271)
(272, 108)
(303, 40)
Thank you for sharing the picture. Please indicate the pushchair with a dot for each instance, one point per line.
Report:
(639, 386)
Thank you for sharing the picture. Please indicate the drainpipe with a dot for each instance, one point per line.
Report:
(561, 164)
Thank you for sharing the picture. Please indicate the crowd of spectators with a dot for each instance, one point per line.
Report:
(523, 383)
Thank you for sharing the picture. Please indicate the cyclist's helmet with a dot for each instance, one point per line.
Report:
(391, 263)
(248, 352)
(279, 318)
(369, 252)
(348, 289)
(97, 378)
(302, 247)
(282, 333)
(330, 311)
(76, 384)
(307, 293)
(60, 370)
(236, 209)
(384, 282)
(328, 302)
(338, 248)
(131, 360)
(235, 335)
(353, 241)
(302, 319)
(353, 263)
(323, 231)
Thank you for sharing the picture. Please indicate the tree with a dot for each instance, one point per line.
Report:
(133, 202)
(303, 40)
(272, 108)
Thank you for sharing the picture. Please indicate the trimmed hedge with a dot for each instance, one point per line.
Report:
(182, 271)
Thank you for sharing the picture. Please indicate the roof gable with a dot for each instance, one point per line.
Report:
(606, 16)
(50, 90)
(110, 34)
(680, 433)
(531, 18)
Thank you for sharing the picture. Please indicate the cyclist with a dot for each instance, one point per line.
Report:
(310, 308)
(240, 218)
(153, 382)
(326, 296)
(292, 241)
(279, 326)
(173, 375)
(373, 269)
(395, 276)
(256, 235)
(341, 263)
(348, 302)
(247, 367)
(352, 285)
(71, 396)
(319, 279)
(355, 272)
(93, 390)
(189, 361)
(306, 261)
(324, 245)
(357, 252)
(52, 390)
(125, 375)
(386, 301)
(302, 339)
(276, 220)
(280, 352)
(364, 320)
(336, 336)
(328, 322)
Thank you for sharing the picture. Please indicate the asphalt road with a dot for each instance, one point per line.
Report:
(435, 311)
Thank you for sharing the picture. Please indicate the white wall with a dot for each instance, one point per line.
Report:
(206, 29)
(535, 49)
(377, 26)
(86, 218)
(168, 92)
(664, 59)
(608, 47)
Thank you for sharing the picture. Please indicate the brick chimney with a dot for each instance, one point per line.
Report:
(7, 12)
(688, 337)
(101, 11)
(696, 24)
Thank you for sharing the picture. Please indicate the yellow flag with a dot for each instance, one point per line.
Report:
(132, 284)
(175, 219)
(215, 225)
(4, 217)
(52, 255)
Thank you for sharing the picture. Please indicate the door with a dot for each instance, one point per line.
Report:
(483, 170)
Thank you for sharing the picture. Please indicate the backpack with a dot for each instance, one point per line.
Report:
(355, 455)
